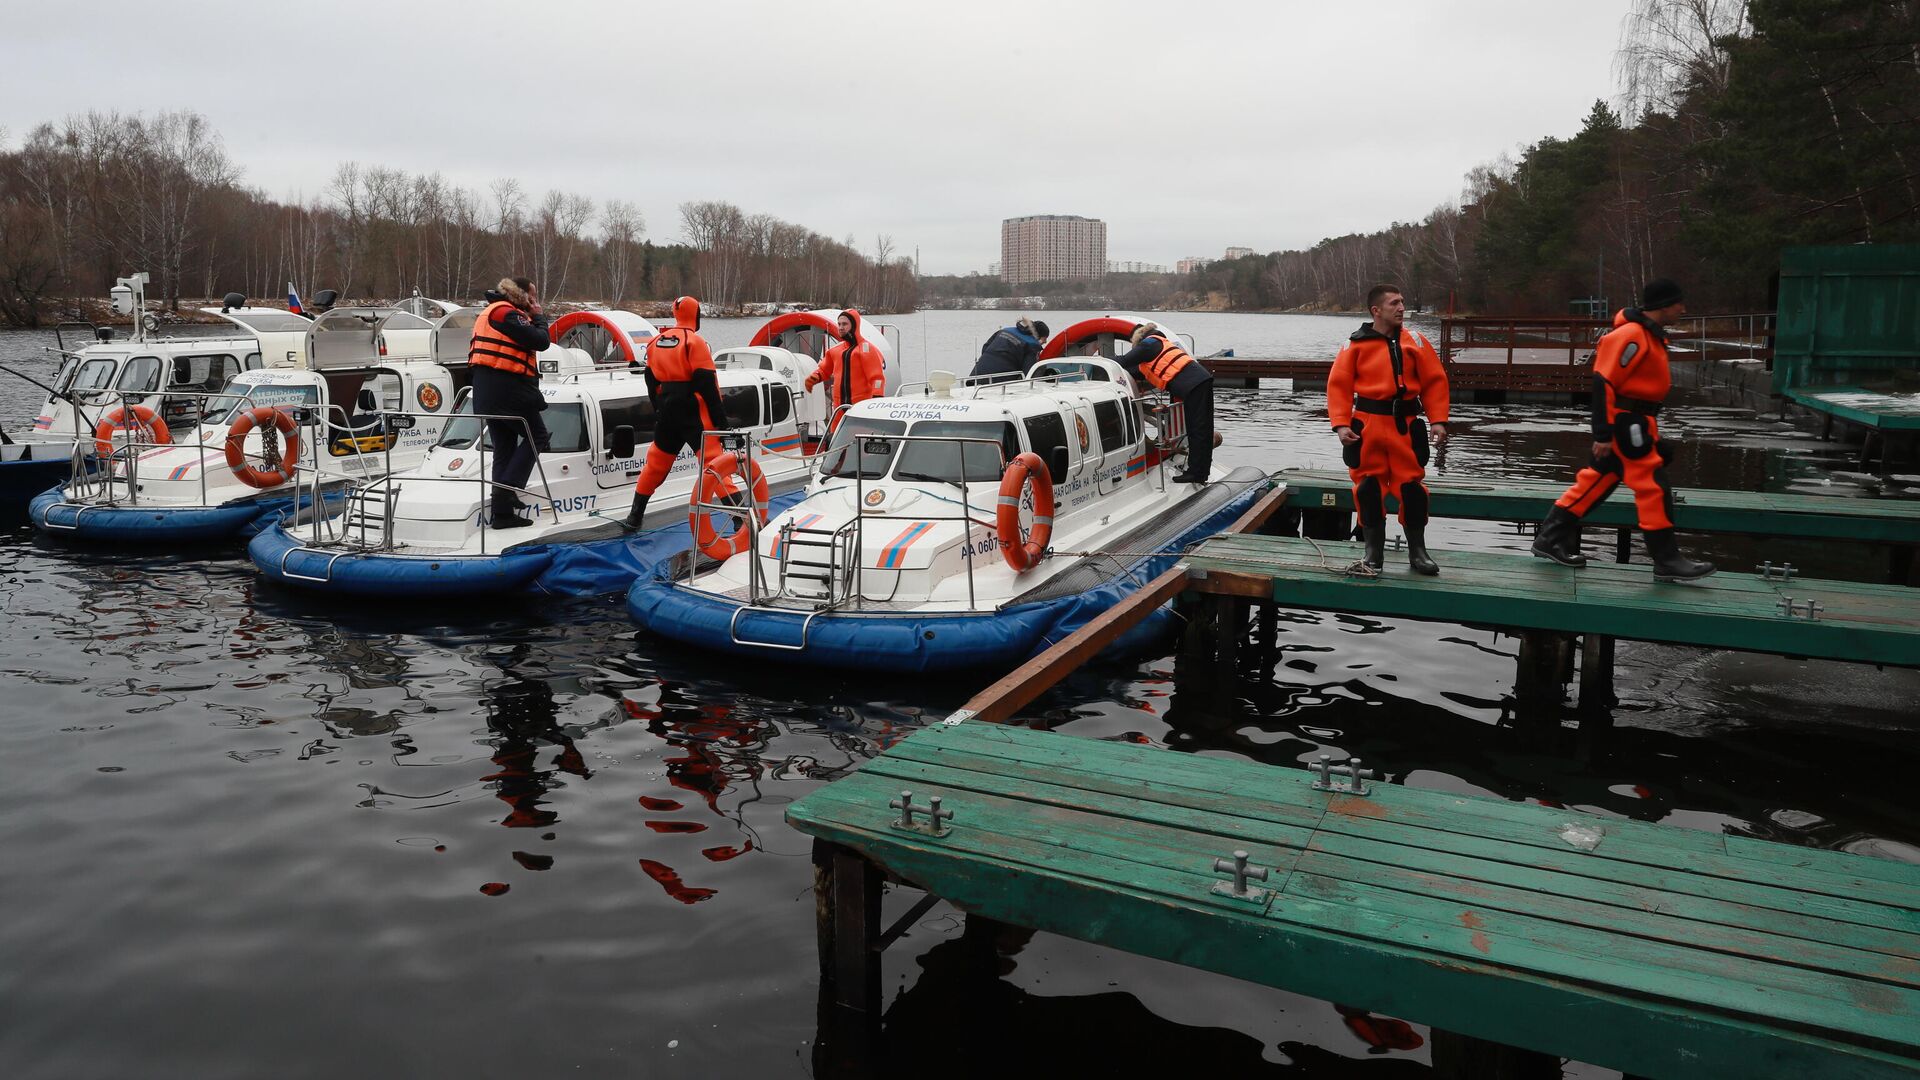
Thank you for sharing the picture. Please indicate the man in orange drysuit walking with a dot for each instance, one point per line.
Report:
(1388, 375)
(1630, 384)
(685, 389)
(853, 370)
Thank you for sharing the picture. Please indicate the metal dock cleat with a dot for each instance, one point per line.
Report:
(934, 826)
(1238, 888)
(1809, 610)
(1768, 571)
(1351, 779)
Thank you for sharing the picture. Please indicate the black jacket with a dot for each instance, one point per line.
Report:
(527, 331)
(1010, 351)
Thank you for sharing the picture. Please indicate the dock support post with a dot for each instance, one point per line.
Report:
(1596, 674)
(1461, 1057)
(1545, 667)
(1900, 564)
(1266, 638)
(846, 896)
(1622, 544)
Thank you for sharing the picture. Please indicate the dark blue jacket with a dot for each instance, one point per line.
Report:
(527, 331)
(1010, 351)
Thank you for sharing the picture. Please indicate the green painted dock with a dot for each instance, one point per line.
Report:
(1858, 405)
(1864, 623)
(1652, 949)
(1752, 513)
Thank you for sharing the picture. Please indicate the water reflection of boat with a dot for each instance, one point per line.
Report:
(955, 527)
(425, 532)
(351, 394)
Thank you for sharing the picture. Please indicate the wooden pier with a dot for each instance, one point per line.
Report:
(1324, 500)
(1520, 933)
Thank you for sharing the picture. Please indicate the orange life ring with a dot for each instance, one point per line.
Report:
(716, 484)
(144, 419)
(252, 475)
(1022, 550)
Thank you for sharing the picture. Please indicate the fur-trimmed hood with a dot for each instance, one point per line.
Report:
(512, 293)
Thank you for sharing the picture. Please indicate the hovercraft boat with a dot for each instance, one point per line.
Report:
(958, 526)
(426, 532)
(349, 395)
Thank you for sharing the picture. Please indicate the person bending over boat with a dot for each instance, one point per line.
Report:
(685, 390)
(506, 383)
(1630, 384)
(1012, 350)
(1169, 367)
(1390, 375)
(853, 370)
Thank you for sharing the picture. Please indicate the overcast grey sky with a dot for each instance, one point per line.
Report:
(1187, 125)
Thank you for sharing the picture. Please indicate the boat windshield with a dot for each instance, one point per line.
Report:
(958, 462)
(566, 424)
(95, 374)
(872, 458)
(240, 395)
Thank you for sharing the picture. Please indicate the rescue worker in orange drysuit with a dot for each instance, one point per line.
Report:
(854, 370)
(685, 390)
(1389, 375)
(1630, 384)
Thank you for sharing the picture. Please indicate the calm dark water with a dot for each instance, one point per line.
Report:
(250, 834)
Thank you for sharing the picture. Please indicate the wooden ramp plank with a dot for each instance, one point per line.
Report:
(1472, 924)
(1864, 623)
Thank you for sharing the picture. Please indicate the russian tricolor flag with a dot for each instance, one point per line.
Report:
(293, 300)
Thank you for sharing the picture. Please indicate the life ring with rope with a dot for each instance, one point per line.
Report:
(1022, 549)
(717, 484)
(284, 461)
(144, 420)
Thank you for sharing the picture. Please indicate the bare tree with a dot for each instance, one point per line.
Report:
(1670, 46)
(621, 225)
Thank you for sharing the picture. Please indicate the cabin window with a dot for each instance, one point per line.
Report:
(742, 405)
(93, 375)
(568, 426)
(203, 374)
(567, 423)
(943, 461)
(253, 362)
(1113, 429)
(1044, 432)
(871, 464)
(636, 413)
(141, 373)
(782, 404)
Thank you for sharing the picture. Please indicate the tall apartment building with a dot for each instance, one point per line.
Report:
(1052, 247)
(1238, 252)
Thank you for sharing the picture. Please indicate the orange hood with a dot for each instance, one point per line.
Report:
(686, 313)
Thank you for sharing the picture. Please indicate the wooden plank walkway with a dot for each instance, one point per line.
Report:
(1875, 624)
(1751, 513)
(1868, 408)
(1659, 951)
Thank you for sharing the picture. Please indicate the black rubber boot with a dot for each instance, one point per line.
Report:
(639, 510)
(1669, 563)
(1417, 556)
(1376, 538)
(1558, 538)
(508, 517)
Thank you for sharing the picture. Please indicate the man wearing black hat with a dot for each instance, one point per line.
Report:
(1630, 384)
(1010, 351)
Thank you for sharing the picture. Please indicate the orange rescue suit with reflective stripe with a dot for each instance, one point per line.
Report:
(1365, 367)
(493, 349)
(1161, 369)
(674, 354)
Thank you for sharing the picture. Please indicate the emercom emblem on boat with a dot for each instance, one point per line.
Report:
(428, 396)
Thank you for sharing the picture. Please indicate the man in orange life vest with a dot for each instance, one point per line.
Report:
(685, 389)
(506, 383)
(1389, 375)
(853, 370)
(1169, 367)
(1630, 384)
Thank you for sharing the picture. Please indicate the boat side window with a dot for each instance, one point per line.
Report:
(568, 425)
(1113, 429)
(253, 362)
(463, 427)
(1136, 420)
(140, 373)
(94, 375)
(635, 412)
(782, 404)
(742, 404)
(204, 373)
(942, 461)
(1044, 432)
(843, 457)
